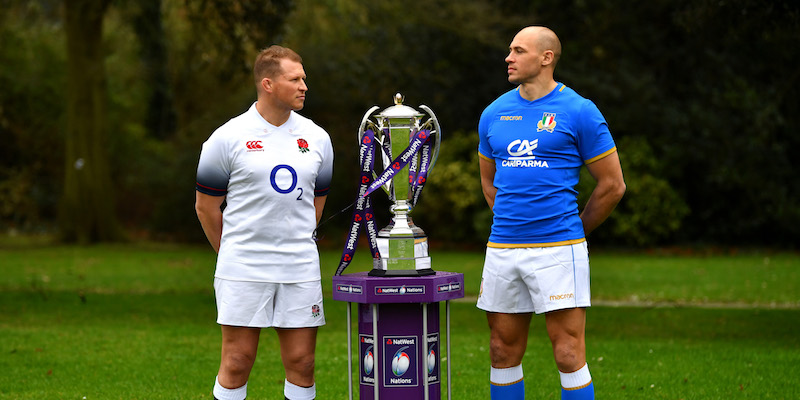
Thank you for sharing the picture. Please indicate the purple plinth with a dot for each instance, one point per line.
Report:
(405, 346)
(362, 288)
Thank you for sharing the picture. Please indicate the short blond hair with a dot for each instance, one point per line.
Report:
(268, 62)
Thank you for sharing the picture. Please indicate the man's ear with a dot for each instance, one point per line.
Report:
(547, 57)
(266, 84)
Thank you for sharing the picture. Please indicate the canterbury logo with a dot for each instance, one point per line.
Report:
(562, 296)
(254, 145)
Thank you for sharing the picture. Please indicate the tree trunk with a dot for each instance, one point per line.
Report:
(87, 212)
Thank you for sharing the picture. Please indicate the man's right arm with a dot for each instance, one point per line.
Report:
(210, 216)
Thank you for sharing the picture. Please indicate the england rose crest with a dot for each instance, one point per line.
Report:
(302, 145)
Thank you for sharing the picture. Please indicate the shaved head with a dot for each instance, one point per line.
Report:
(541, 39)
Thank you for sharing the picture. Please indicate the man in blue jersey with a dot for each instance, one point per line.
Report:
(534, 140)
(272, 167)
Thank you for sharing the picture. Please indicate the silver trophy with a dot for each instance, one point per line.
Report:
(403, 246)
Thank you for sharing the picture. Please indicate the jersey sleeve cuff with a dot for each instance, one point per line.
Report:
(602, 155)
(209, 190)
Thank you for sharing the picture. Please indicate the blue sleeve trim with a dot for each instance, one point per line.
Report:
(209, 190)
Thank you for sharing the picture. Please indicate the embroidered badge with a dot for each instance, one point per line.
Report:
(302, 145)
(315, 310)
(548, 123)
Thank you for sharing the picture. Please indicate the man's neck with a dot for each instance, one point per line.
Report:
(536, 90)
(273, 115)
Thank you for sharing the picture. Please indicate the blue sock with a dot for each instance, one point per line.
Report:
(584, 393)
(577, 385)
(507, 383)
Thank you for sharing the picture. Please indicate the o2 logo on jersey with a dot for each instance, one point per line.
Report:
(274, 182)
(400, 362)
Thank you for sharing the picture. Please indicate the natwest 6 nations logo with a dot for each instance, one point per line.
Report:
(401, 369)
(400, 290)
(366, 346)
(521, 154)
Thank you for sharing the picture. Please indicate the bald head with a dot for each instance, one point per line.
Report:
(542, 39)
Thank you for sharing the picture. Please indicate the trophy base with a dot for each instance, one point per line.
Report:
(401, 272)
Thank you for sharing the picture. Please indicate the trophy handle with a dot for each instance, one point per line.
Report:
(437, 132)
(364, 122)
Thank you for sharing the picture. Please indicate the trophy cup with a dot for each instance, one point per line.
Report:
(399, 354)
(403, 246)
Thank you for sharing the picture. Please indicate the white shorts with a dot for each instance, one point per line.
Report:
(264, 305)
(535, 279)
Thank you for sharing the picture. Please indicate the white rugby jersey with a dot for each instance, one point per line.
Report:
(270, 175)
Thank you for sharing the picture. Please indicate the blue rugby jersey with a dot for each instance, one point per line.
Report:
(538, 148)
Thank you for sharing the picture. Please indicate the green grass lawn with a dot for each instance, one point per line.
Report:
(137, 322)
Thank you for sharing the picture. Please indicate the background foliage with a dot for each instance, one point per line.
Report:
(698, 94)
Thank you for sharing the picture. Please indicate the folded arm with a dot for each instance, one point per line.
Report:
(609, 190)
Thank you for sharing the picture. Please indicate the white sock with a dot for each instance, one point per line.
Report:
(294, 392)
(577, 379)
(222, 393)
(504, 376)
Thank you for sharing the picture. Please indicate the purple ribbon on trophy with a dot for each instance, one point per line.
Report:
(363, 216)
(404, 140)
(419, 141)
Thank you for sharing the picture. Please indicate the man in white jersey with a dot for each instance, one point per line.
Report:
(272, 168)
(534, 140)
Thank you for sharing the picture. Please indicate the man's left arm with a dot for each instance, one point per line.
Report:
(608, 191)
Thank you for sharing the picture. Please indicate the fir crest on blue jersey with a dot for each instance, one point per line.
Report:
(547, 123)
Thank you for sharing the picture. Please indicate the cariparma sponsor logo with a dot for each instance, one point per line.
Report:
(520, 147)
(521, 155)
